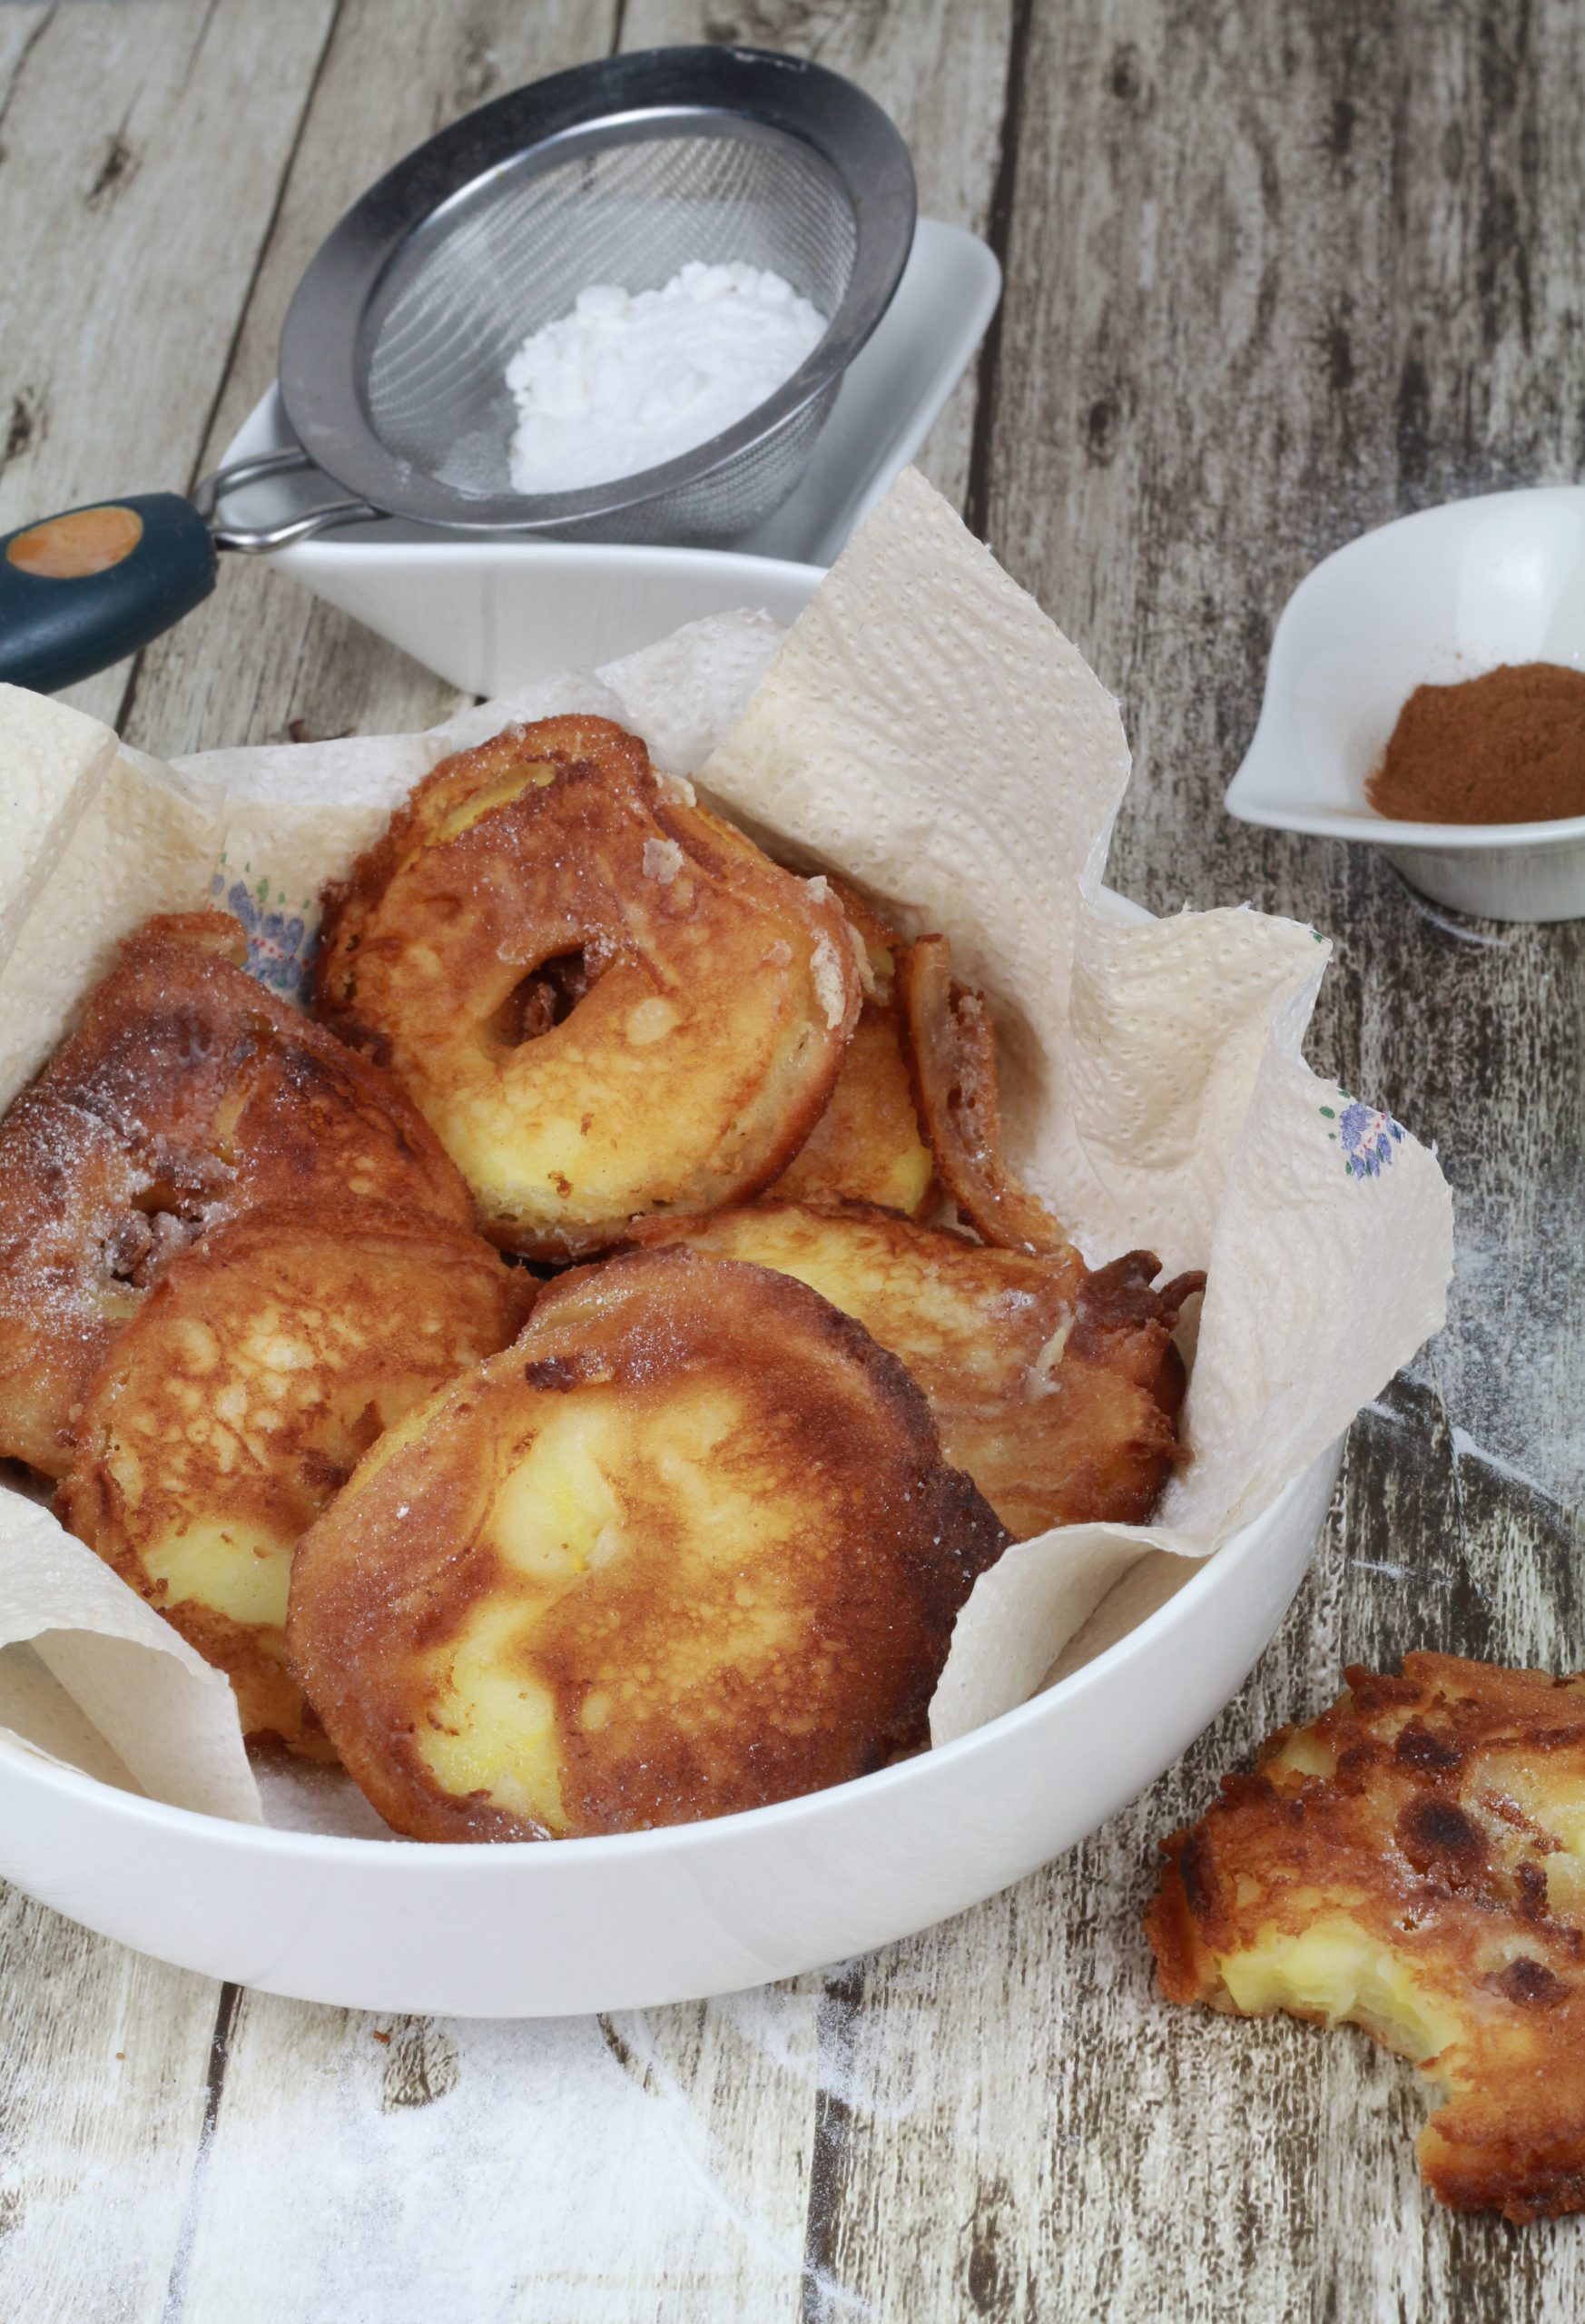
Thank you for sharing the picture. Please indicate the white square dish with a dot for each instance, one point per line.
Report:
(493, 615)
(1432, 598)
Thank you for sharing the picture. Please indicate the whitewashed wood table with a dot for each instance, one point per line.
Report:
(1275, 273)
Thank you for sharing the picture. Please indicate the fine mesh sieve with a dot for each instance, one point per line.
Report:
(394, 352)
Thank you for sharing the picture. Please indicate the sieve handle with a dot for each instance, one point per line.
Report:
(254, 539)
(79, 590)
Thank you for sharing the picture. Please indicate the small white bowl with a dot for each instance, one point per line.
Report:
(550, 1928)
(1434, 598)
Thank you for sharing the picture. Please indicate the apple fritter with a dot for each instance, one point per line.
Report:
(951, 1053)
(238, 1400)
(606, 1000)
(1414, 1862)
(866, 1146)
(1056, 1388)
(688, 1547)
(188, 1093)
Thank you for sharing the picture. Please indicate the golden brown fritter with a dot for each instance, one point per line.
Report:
(866, 1147)
(236, 1403)
(1414, 1862)
(606, 1000)
(951, 1053)
(1057, 1389)
(688, 1547)
(187, 1094)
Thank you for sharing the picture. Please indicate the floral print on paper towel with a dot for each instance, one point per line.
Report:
(1367, 1138)
(280, 944)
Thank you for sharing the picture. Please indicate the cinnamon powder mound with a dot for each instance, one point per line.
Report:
(1505, 748)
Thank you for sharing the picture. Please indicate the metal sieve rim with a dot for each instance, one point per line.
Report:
(673, 91)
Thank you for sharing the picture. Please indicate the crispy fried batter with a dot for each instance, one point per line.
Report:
(951, 1054)
(238, 1400)
(188, 1093)
(605, 999)
(688, 1547)
(866, 1144)
(1056, 1389)
(1413, 1861)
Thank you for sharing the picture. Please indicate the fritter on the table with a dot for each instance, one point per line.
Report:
(1414, 1862)
(688, 1547)
(866, 1147)
(950, 1044)
(237, 1402)
(606, 1000)
(188, 1093)
(1056, 1388)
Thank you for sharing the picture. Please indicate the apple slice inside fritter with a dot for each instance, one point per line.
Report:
(689, 1546)
(951, 1052)
(606, 1000)
(188, 1094)
(1055, 1387)
(866, 1147)
(238, 1400)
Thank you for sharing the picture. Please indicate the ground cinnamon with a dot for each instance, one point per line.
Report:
(1505, 748)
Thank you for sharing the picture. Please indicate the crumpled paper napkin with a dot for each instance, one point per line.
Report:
(925, 730)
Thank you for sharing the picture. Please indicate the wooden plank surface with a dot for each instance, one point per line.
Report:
(1273, 276)
(104, 2086)
(142, 146)
(263, 653)
(132, 146)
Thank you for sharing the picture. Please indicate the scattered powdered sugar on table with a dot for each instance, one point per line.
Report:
(1516, 1271)
(628, 380)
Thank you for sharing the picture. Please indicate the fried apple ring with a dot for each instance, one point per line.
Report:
(1055, 1388)
(188, 1094)
(238, 1400)
(1413, 1861)
(688, 1547)
(866, 1147)
(951, 1055)
(604, 1000)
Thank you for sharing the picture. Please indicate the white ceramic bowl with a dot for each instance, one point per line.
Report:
(491, 617)
(528, 1930)
(1434, 598)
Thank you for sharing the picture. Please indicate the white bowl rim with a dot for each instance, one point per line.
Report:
(319, 1847)
(591, 554)
(1386, 831)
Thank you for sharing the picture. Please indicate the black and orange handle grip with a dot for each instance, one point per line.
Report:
(80, 589)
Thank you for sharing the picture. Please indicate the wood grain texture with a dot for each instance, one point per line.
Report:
(362, 2167)
(1275, 273)
(103, 2094)
(119, 290)
(142, 146)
